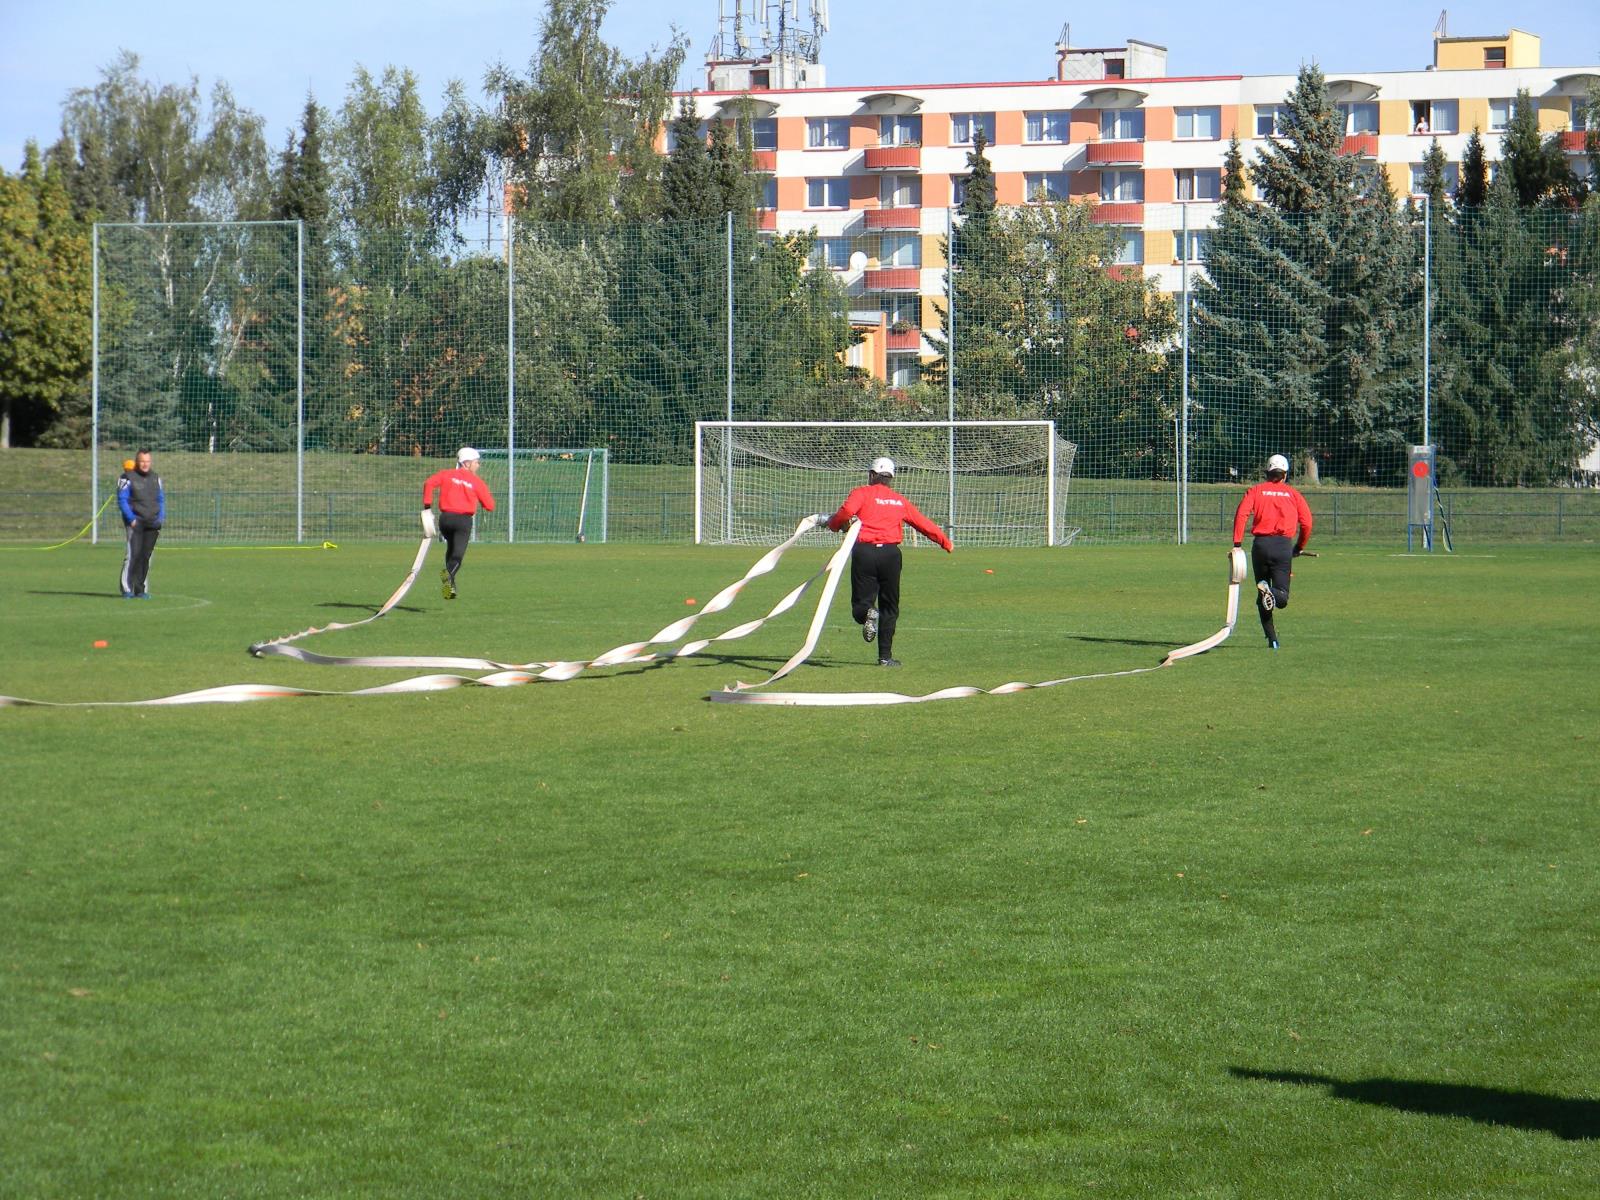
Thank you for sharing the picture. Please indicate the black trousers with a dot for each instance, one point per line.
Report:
(875, 583)
(457, 531)
(1271, 557)
(136, 566)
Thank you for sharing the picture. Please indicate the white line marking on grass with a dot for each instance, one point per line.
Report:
(155, 605)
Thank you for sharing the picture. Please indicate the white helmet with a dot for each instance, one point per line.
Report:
(883, 466)
(1278, 463)
(466, 454)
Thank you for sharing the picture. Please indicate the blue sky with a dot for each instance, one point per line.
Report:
(272, 54)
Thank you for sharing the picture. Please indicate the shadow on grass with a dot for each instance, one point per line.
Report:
(1168, 644)
(1569, 1119)
(367, 608)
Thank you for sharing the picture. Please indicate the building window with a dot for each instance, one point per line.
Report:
(900, 191)
(1191, 244)
(1131, 249)
(832, 253)
(1270, 119)
(827, 133)
(1122, 187)
(827, 193)
(1494, 57)
(904, 371)
(1434, 116)
(1580, 114)
(1116, 68)
(1200, 183)
(964, 128)
(900, 309)
(1044, 187)
(1499, 114)
(1419, 172)
(900, 250)
(1360, 117)
(769, 193)
(1122, 125)
(958, 190)
(899, 131)
(758, 133)
(1052, 126)
(1198, 123)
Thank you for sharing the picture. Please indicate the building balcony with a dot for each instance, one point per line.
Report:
(892, 279)
(1574, 141)
(1114, 152)
(905, 339)
(764, 162)
(1363, 144)
(894, 158)
(767, 219)
(1118, 212)
(1126, 271)
(893, 218)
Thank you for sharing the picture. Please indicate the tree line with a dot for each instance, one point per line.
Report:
(1307, 331)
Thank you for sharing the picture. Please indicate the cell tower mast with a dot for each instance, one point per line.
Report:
(762, 45)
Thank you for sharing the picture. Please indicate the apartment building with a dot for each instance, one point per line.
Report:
(877, 171)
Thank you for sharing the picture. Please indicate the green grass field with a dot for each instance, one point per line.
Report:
(1319, 923)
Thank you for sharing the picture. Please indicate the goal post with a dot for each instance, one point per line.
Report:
(989, 483)
(562, 494)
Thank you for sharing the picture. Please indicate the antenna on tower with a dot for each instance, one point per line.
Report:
(1441, 27)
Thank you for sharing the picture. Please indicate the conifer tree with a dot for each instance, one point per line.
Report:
(1474, 189)
(1536, 166)
(1300, 339)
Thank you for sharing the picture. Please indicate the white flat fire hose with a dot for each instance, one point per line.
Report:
(515, 674)
(741, 693)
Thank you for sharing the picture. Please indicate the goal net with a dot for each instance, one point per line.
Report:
(545, 494)
(988, 483)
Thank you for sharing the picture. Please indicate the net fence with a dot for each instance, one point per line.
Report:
(987, 483)
(296, 383)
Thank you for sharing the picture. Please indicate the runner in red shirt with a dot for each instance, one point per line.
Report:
(875, 560)
(460, 493)
(1281, 529)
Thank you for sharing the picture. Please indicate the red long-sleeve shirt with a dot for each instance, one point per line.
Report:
(1278, 509)
(882, 511)
(460, 491)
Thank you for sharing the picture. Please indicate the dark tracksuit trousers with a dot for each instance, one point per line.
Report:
(875, 582)
(1271, 557)
(457, 531)
(142, 537)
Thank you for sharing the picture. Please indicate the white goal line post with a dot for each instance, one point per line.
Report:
(989, 482)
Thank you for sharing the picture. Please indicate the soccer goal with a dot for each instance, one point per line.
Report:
(989, 483)
(546, 494)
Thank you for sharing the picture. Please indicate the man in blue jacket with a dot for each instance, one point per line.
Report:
(144, 510)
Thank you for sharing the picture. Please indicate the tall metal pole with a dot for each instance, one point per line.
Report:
(950, 352)
(727, 474)
(511, 378)
(1427, 313)
(300, 382)
(1183, 420)
(94, 386)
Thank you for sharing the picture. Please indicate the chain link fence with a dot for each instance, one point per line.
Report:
(299, 384)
